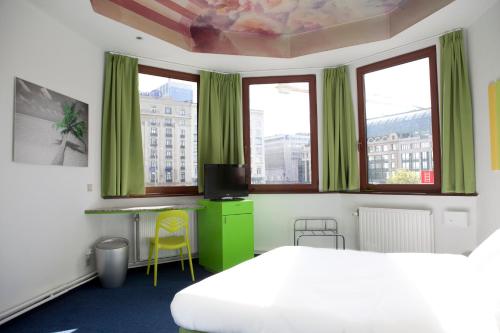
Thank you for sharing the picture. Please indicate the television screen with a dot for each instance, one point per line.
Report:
(225, 181)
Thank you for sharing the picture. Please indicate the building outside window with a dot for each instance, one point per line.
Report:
(163, 90)
(398, 109)
(282, 133)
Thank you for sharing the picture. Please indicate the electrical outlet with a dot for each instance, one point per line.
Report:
(457, 219)
(89, 188)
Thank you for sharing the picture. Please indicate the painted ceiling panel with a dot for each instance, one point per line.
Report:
(276, 28)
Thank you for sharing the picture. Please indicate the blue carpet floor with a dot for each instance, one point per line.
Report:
(135, 307)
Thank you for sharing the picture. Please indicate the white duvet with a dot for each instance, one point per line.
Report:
(301, 289)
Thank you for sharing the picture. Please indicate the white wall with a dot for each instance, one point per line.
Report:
(43, 232)
(484, 59)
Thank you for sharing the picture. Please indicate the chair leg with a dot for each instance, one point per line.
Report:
(156, 265)
(182, 259)
(190, 261)
(149, 258)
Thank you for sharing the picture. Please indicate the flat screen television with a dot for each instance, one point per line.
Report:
(225, 181)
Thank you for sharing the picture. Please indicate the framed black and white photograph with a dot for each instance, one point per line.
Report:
(49, 128)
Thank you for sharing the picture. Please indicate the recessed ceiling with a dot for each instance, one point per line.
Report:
(274, 28)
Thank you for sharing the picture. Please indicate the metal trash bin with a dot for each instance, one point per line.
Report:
(112, 261)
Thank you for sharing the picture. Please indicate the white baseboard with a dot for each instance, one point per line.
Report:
(34, 302)
(18, 310)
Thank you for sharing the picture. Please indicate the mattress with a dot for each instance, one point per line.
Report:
(302, 289)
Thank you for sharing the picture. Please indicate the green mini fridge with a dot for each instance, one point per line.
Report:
(225, 233)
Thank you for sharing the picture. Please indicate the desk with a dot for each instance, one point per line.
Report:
(135, 213)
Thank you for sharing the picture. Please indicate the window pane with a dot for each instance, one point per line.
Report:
(280, 137)
(169, 125)
(398, 119)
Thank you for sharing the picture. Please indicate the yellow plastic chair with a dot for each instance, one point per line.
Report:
(171, 221)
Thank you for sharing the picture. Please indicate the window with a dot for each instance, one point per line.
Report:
(158, 99)
(280, 133)
(398, 101)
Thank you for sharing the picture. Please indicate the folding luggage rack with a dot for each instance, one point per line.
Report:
(317, 227)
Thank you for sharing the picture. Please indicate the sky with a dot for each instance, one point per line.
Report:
(389, 91)
(279, 101)
(398, 89)
(148, 83)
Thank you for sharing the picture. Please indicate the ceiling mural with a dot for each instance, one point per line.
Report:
(275, 28)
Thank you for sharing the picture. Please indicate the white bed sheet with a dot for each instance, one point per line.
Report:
(302, 289)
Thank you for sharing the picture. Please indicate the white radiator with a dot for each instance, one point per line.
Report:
(146, 230)
(395, 230)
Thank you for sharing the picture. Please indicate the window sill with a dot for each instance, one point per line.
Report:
(155, 195)
(283, 189)
(439, 194)
(160, 195)
(162, 191)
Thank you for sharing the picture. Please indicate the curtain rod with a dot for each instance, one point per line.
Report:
(288, 69)
(168, 62)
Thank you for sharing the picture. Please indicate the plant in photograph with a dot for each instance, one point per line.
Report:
(70, 124)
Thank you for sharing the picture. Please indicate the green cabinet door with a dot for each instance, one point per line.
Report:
(237, 239)
(210, 222)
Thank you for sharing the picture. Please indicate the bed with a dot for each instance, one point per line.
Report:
(302, 289)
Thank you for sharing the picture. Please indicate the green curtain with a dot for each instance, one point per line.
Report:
(340, 152)
(220, 138)
(457, 161)
(122, 170)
